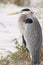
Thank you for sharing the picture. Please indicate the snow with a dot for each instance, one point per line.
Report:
(9, 29)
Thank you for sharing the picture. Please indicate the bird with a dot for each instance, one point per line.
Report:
(31, 34)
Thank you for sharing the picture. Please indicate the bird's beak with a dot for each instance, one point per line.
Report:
(18, 13)
(14, 13)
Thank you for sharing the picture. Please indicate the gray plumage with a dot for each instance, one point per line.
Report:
(33, 37)
(31, 30)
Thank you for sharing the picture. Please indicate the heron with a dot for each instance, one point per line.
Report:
(31, 34)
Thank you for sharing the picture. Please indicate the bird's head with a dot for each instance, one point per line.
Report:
(27, 12)
(26, 16)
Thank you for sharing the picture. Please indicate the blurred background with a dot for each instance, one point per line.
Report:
(24, 2)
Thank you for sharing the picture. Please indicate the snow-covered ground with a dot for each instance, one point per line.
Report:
(9, 29)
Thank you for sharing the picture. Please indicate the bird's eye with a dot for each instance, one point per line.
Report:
(28, 21)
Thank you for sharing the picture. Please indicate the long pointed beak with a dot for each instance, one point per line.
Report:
(14, 13)
(19, 13)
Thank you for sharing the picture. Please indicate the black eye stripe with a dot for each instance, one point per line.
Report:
(25, 9)
(28, 21)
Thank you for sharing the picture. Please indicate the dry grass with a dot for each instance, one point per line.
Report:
(20, 57)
